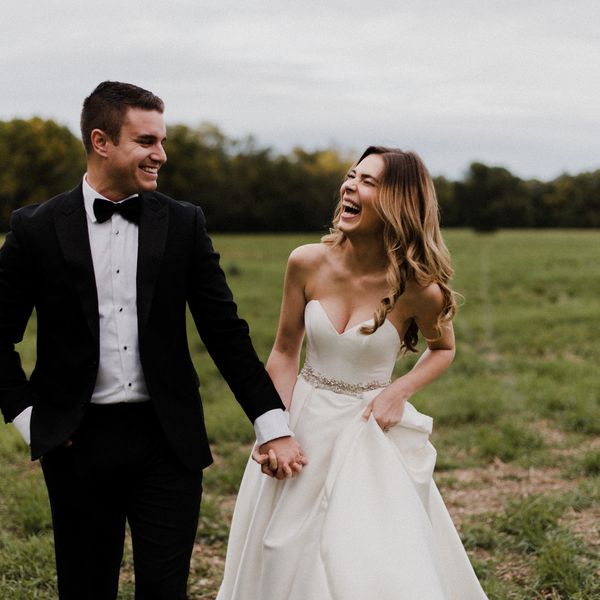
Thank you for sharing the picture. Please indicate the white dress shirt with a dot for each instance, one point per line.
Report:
(114, 246)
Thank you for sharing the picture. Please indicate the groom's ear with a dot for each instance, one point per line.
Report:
(100, 142)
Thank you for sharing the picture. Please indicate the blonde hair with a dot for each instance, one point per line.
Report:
(407, 205)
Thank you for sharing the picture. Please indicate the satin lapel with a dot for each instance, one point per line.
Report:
(70, 222)
(152, 236)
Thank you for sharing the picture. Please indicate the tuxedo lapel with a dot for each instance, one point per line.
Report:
(72, 232)
(154, 221)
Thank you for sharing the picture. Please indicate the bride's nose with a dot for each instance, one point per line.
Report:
(349, 184)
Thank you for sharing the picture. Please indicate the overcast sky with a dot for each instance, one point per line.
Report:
(508, 82)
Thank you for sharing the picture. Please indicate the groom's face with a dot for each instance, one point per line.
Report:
(132, 165)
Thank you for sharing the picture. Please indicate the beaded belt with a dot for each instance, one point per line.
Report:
(336, 385)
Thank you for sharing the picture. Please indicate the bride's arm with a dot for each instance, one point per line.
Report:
(284, 359)
(282, 364)
(388, 406)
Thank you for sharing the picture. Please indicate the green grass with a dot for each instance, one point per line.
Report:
(590, 463)
(516, 419)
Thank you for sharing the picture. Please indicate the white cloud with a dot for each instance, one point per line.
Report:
(498, 81)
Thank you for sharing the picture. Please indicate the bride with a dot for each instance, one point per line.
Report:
(364, 519)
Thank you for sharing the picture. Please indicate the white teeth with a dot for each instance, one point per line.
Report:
(153, 170)
(352, 206)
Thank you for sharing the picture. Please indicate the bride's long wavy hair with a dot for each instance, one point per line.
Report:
(408, 207)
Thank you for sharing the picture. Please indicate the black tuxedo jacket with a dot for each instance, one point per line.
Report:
(46, 264)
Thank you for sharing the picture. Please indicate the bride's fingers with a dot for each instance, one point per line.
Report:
(386, 424)
(267, 470)
(258, 457)
(272, 460)
(368, 410)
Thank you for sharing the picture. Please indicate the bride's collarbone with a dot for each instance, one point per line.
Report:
(350, 291)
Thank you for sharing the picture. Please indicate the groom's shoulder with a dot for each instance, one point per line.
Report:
(177, 206)
(41, 212)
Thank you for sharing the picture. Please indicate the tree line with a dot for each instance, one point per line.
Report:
(244, 187)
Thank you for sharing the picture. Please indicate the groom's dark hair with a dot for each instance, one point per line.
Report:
(106, 106)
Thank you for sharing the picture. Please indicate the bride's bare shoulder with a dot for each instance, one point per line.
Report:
(424, 298)
(307, 256)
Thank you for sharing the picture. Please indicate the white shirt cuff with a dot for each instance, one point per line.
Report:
(272, 424)
(22, 422)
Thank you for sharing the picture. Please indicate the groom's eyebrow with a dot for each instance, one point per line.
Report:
(148, 138)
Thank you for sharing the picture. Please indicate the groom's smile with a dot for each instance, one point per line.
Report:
(131, 164)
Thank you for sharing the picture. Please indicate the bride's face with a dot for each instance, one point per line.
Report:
(359, 193)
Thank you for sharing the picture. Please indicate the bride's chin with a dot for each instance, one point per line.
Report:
(345, 225)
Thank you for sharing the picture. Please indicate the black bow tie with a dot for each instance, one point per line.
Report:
(129, 209)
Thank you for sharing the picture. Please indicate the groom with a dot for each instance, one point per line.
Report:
(112, 407)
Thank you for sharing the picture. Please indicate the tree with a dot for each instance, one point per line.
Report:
(449, 209)
(244, 187)
(491, 197)
(39, 160)
(574, 201)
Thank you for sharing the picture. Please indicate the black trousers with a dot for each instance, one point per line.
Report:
(120, 468)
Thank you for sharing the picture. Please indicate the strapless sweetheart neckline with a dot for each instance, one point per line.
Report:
(354, 327)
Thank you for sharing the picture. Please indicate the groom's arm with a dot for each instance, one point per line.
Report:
(225, 335)
(16, 305)
(271, 425)
(227, 339)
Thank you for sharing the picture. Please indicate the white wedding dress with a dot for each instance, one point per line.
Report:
(364, 519)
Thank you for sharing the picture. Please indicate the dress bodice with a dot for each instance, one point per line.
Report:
(349, 356)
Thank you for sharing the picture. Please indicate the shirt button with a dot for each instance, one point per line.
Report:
(129, 385)
(120, 310)
(118, 270)
(124, 347)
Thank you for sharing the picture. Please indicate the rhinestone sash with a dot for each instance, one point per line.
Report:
(336, 385)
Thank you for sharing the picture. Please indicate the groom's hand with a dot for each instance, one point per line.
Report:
(281, 458)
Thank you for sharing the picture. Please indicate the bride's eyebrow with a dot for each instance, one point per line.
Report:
(362, 176)
(367, 176)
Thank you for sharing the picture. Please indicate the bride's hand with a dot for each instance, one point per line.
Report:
(387, 407)
(267, 462)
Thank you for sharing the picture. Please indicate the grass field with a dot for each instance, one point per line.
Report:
(516, 420)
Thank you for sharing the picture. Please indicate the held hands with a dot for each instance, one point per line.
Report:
(280, 458)
(387, 407)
